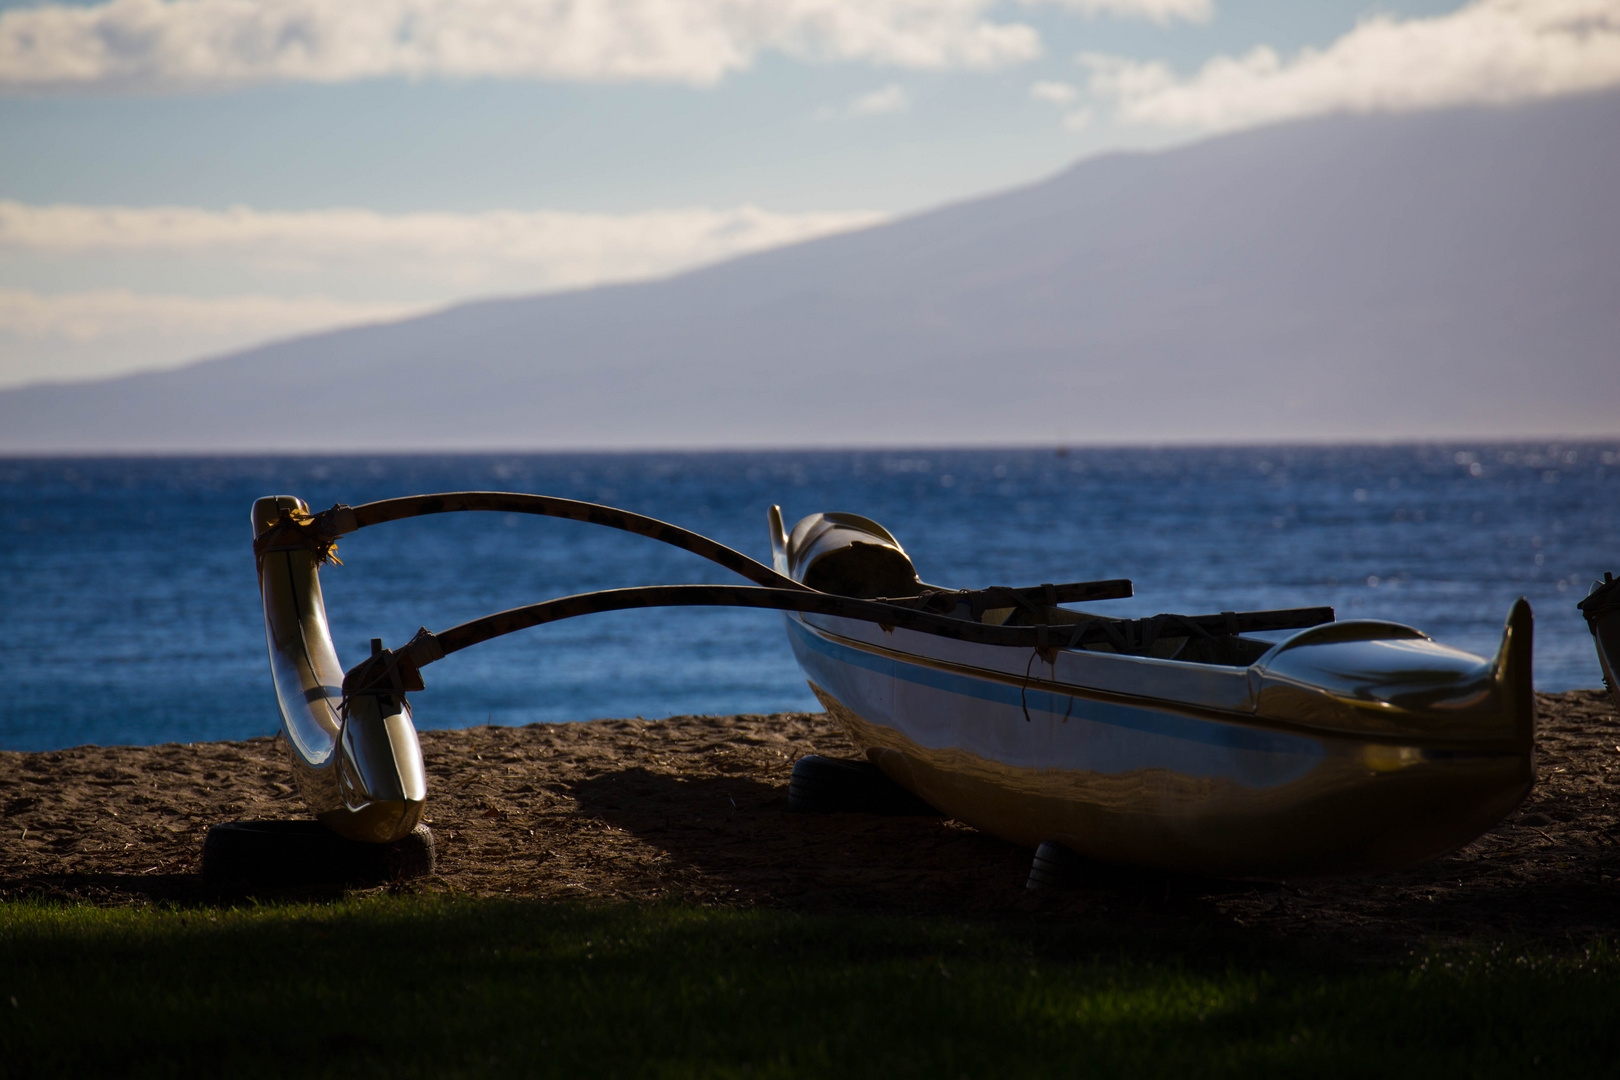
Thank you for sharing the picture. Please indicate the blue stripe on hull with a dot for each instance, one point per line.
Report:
(950, 710)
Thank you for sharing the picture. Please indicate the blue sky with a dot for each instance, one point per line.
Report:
(183, 177)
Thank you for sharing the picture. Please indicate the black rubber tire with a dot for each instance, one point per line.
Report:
(824, 785)
(308, 853)
(1054, 866)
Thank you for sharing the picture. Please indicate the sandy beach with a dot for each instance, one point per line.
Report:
(695, 807)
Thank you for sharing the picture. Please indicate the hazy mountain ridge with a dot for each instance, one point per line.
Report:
(1439, 274)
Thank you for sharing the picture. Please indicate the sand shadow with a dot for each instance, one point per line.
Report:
(739, 832)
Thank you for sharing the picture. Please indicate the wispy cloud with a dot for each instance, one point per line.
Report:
(889, 99)
(113, 313)
(180, 45)
(500, 250)
(201, 44)
(1064, 95)
(1055, 93)
(884, 101)
(1489, 52)
(73, 336)
(293, 262)
(1159, 11)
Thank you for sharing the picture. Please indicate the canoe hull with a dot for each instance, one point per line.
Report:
(1124, 778)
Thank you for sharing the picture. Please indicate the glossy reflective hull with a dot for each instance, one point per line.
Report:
(360, 773)
(1169, 765)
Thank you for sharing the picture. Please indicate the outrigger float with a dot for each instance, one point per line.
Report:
(1182, 743)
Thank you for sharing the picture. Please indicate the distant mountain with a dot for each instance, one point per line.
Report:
(1447, 274)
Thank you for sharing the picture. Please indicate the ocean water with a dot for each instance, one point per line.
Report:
(129, 612)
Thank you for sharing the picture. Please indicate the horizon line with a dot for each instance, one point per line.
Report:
(1056, 447)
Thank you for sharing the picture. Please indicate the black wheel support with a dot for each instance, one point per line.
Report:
(1054, 866)
(824, 785)
(308, 853)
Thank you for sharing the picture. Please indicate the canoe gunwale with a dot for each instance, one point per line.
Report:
(1484, 746)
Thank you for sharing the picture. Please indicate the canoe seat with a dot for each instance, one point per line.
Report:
(863, 570)
(849, 555)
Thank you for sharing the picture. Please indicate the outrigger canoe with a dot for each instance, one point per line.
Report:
(1177, 742)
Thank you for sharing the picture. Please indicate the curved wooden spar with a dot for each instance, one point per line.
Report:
(882, 612)
(340, 520)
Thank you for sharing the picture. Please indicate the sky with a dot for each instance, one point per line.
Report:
(183, 178)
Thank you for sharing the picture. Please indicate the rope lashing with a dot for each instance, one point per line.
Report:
(1108, 628)
(296, 530)
(1000, 596)
(1138, 636)
(391, 673)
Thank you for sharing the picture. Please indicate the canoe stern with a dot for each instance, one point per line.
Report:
(1382, 679)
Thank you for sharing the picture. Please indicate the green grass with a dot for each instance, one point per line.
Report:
(391, 986)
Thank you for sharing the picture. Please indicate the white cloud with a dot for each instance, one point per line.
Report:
(882, 102)
(113, 313)
(66, 337)
(1489, 52)
(1056, 93)
(170, 45)
(1159, 11)
(291, 264)
(506, 250)
(1064, 95)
